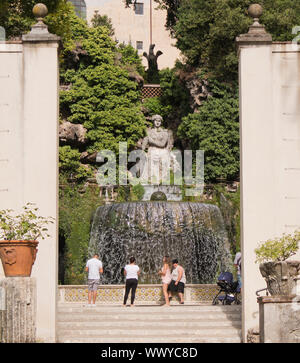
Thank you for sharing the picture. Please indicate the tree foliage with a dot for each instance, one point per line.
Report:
(205, 30)
(278, 249)
(100, 95)
(76, 210)
(70, 165)
(102, 20)
(215, 129)
(17, 18)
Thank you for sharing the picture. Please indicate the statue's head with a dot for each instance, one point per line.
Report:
(157, 120)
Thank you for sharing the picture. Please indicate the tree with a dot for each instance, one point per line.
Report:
(205, 30)
(100, 94)
(17, 18)
(102, 20)
(215, 129)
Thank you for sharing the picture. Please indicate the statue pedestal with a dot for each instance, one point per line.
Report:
(18, 310)
(279, 319)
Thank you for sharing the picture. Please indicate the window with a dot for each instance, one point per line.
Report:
(80, 8)
(139, 8)
(139, 45)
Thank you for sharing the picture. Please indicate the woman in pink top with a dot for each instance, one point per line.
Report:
(165, 274)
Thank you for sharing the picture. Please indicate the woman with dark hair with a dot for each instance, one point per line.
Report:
(131, 272)
(165, 274)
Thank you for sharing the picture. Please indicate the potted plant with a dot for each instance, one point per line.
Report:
(19, 236)
(281, 275)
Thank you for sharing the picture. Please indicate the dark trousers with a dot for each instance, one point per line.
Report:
(131, 284)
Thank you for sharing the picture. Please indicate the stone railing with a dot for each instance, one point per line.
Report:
(145, 294)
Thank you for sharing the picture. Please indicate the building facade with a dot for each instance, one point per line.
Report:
(139, 25)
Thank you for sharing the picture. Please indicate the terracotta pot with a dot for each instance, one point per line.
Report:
(281, 277)
(18, 257)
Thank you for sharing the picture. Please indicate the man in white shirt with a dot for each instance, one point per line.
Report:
(178, 281)
(94, 269)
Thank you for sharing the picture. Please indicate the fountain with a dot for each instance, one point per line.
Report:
(194, 233)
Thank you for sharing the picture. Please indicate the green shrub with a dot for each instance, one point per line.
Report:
(137, 192)
(215, 129)
(76, 210)
(154, 106)
(69, 164)
(278, 249)
(100, 94)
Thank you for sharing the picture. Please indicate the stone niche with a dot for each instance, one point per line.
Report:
(279, 319)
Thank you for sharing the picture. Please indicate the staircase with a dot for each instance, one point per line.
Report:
(149, 324)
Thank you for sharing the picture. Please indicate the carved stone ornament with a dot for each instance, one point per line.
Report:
(39, 31)
(257, 33)
(8, 255)
(281, 277)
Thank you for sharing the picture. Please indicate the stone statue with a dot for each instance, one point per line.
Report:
(159, 143)
(152, 71)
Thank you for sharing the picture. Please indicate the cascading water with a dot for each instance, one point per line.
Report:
(193, 233)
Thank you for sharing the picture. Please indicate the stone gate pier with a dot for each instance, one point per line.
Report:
(269, 78)
(29, 153)
(18, 310)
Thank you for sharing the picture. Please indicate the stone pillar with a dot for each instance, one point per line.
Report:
(257, 162)
(279, 319)
(18, 310)
(29, 150)
(40, 160)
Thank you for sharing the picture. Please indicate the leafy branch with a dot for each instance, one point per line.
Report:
(278, 249)
(27, 226)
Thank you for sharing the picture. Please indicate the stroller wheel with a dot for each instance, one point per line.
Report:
(238, 302)
(215, 302)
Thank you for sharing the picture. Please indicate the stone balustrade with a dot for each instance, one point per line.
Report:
(145, 294)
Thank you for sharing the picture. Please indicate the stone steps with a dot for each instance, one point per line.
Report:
(149, 324)
(152, 339)
(104, 309)
(196, 323)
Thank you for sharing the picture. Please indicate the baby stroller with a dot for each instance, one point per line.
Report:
(230, 289)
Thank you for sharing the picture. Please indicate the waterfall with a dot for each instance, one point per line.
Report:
(194, 233)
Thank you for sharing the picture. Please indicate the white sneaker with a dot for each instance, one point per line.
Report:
(93, 305)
